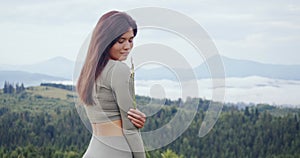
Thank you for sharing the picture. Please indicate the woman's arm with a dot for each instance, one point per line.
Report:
(120, 83)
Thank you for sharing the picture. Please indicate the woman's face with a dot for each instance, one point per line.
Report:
(120, 50)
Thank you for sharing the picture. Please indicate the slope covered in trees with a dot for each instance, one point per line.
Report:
(35, 124)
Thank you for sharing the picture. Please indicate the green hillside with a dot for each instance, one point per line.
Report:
(42, 121)
(51, 92)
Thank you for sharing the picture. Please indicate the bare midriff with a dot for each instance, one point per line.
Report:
(112, 128)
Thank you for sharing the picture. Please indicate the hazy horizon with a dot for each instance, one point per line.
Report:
(252, 89)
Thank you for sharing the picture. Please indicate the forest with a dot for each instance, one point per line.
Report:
(43, 122)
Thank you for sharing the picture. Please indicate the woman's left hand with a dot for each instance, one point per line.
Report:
(137, 117)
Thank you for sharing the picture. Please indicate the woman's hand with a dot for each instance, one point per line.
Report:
(137, 117)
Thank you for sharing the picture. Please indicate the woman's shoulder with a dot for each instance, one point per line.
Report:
(120, 67)
(120, 74)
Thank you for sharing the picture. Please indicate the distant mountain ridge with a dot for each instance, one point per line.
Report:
(60, 68)
(246, 68)
(232, 68)
(29, 79)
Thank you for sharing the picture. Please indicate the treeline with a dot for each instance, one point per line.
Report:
(241, 133)
(48, 127)
(10, 88)
(61, 86)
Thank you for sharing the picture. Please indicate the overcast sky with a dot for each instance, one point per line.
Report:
(265, 31)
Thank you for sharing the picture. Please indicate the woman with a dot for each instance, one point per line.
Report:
(104, 87)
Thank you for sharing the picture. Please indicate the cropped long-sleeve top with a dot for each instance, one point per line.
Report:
(113, 99)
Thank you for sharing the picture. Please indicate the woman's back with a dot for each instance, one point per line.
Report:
(112, 102)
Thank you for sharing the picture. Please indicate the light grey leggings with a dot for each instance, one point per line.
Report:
(108, 146)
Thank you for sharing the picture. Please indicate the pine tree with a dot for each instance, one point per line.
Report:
(5, 89)
(11, 89)
(22, 87)
(17, 88)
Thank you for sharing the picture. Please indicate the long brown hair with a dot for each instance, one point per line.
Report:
(110, 27)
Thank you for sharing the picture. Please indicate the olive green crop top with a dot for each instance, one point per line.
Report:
(113, 99)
